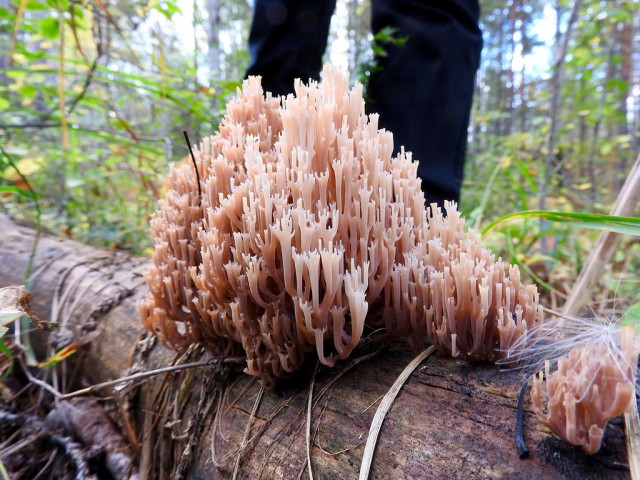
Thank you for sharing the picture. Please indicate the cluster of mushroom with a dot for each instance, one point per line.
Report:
(592, 384)
(308, 230)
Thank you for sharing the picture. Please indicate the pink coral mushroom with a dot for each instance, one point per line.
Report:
(309, 229)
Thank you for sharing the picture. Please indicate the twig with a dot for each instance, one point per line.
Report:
(195, 166)
(151, 373)
(383, 408)
(37, 381)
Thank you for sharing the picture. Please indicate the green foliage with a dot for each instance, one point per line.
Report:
(594, 145)
(50, 28)
(370, 62)
(128, 89)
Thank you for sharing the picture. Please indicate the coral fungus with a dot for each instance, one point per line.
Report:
(309, 229)
(592, 384)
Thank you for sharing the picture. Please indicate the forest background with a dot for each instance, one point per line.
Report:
(95, 94)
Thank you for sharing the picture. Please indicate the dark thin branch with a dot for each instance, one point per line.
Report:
(523, 451)
(72, 105)
(85, 86)
(195, 166)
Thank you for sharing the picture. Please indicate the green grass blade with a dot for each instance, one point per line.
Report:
(612, 223)
(486, 194)
(7, 353)
(3, 472)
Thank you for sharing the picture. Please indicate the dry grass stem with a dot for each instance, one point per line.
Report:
(383, 408)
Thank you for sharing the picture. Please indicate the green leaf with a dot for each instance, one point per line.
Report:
(8, 315)
(166, 7)
(631, 316)
(606, 148)
(17, 190)
(50, 28)
(524, 171)
(34, 6)
(618, 84)
(27, 91)
(4, 103)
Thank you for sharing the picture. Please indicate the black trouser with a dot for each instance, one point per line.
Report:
(424, 90)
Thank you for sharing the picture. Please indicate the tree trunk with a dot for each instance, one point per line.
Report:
(213, 38)
(450, 420)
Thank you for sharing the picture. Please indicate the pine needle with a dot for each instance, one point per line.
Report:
(384, 407)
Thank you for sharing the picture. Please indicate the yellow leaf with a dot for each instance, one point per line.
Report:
(505, 161)
(69, 350)
(27, 166)
(582, 186)
(58, 356)
(19, 59)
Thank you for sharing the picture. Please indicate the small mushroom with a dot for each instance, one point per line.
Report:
(592, 384)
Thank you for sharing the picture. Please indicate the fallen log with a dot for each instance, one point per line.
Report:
(451, 419)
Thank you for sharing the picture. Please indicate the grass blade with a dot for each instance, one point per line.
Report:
(612, 223)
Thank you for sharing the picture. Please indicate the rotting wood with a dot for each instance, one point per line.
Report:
(450, 420)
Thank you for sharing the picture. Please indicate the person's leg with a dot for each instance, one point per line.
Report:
(287, 41)
(424, 91)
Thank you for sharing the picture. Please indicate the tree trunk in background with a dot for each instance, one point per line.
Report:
(213, 31)
(451, 419)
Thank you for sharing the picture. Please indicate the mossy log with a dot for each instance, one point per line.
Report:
(451, 419)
